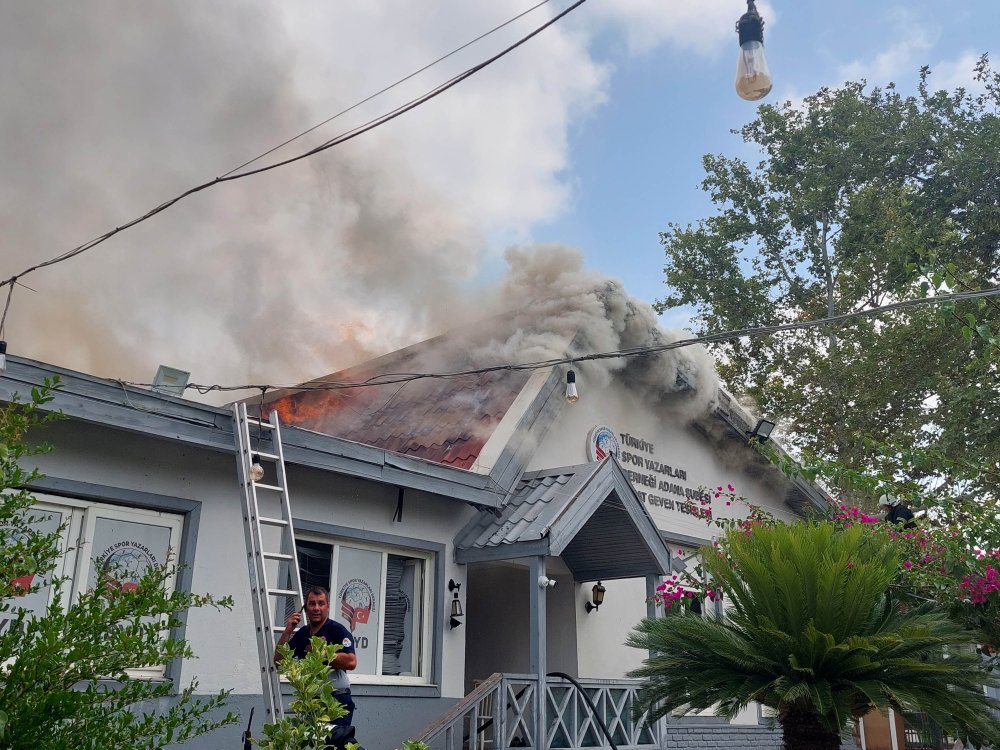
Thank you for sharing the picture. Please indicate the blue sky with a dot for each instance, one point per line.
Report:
(636, 162)
(591, 135)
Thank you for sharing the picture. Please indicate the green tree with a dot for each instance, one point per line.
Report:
(862, 197)
(65, 682)
(314, 707)
(814, 632)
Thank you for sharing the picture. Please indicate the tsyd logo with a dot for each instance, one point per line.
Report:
(602, 443)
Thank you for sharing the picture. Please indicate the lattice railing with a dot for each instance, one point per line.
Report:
(501, 714)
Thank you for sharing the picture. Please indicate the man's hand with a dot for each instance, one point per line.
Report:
(290, 625)
(293, 622)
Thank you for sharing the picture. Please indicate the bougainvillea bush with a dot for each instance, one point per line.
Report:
(951, 557)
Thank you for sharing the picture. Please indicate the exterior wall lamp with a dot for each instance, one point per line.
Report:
(596, 597)
(456, 605)
(762, 431)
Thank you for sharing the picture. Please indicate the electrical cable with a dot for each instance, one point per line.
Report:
(389, 87)
(390, 378)
(343, 138)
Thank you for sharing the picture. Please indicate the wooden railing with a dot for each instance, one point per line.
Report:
(500, 713)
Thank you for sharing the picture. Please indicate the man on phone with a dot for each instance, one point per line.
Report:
(319, 624)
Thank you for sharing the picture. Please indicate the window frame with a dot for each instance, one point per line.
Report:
(433, 640)
(78, 522)
(61, 492)
(426, 603)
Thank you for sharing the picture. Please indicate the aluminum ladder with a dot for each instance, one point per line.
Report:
(275, 585)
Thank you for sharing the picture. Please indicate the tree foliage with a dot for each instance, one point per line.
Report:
(814, 631)
(66, 682)
(862, 197)
(314, 707)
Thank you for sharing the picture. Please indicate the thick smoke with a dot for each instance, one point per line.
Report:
(549, 306)
(113, 107)
(565, 310)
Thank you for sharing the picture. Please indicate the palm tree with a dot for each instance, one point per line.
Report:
(813, 632)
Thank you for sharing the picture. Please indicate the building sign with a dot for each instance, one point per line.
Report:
(601, 443)
(658, 484)
(124, 551)
(356, 602)
(359, 590)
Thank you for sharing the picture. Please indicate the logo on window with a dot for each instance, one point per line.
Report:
(123, 564)
(356, 602)
(602, 443)
(21, 584)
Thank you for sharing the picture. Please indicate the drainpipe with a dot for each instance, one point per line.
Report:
(537, 655)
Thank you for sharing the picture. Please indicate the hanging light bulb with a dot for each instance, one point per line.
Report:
(256, 471)
(753, 77)
(3, 356)
(572, 396)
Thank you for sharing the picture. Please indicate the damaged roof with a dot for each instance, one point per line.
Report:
(445, 420)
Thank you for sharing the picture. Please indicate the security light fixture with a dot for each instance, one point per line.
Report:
(456, 605)
(762, 431)
(753, 77)
(572, 395)
(596, 597)
(170, 380)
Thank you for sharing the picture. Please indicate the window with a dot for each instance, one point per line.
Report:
(382, 595)
(96, 538)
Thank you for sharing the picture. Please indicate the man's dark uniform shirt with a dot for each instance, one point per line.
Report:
(901, 514)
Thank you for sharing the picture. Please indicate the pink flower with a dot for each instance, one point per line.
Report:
(907, 564)
(731, 488)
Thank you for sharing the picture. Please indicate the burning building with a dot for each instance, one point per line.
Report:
(452, 471)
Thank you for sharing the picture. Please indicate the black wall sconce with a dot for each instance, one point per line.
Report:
(456, 605)
(596, 597)
(762, 431)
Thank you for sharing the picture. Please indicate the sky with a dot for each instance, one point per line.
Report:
(580, 146)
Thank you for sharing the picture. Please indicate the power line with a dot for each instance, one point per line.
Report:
(391, 378)
(389, 87)
(337, 140)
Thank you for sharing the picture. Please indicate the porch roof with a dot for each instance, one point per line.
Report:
(588, 514)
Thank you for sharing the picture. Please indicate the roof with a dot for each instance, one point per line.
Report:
(589, 514)
(133, 410)
(446, 420)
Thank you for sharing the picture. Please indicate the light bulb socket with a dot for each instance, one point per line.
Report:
(750, 27)
(570, 376)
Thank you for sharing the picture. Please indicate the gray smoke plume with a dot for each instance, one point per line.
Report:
(113, 107)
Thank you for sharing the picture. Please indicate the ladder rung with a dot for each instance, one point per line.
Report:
(272, 487)
(282, 592)
(276, 556)
(265, 455)
(272, 521)
(259, 422)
